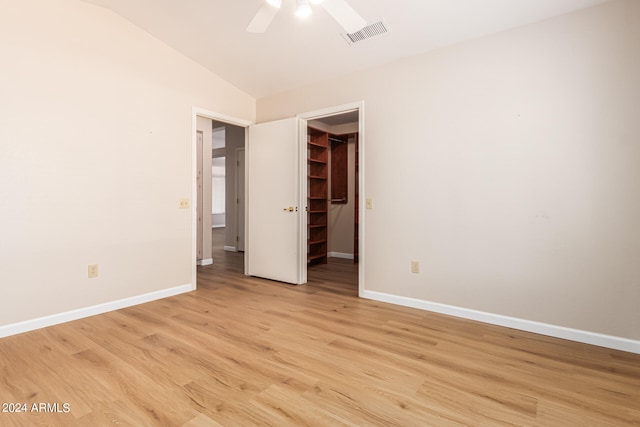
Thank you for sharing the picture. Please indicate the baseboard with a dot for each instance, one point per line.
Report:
(203, 262)
(43, 322)
(230, 249)
(585, 337)
(340, 255)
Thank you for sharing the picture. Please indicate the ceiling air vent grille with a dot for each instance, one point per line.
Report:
(367, 32)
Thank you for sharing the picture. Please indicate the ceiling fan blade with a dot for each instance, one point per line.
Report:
(346, 16)
(263, 18)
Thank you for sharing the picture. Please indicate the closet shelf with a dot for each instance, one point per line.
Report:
(320, 162)
(317, 225)
(316, 256)
(316, 144)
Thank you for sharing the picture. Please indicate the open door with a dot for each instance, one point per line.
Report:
(275, 212)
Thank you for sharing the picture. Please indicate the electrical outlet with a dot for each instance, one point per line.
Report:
(183, 204)
(92, 271)
(415, 267)
(369, 203)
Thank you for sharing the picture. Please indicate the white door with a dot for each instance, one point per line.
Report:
(274, 210)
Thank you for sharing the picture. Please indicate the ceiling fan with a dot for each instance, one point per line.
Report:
(340, 10)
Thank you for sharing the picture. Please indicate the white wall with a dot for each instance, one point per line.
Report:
(95, 152)
(509, 167)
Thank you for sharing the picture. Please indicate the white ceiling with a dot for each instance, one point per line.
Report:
(295, 52)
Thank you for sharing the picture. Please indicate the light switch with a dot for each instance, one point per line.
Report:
(415, 267)
(369, 203)
(92, 271)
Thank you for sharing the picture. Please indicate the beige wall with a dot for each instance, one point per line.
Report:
(95, 152)
(509, 167)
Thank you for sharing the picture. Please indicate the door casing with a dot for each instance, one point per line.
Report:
(332, 111)
(240, 198)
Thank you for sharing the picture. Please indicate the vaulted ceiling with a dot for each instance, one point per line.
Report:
(295, 52)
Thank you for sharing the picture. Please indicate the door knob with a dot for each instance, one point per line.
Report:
(289, 209)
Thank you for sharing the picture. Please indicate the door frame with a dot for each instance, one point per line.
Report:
(195, 112)
(240, 154)
(318, 114)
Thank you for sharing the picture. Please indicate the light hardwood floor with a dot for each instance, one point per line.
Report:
(245, 351)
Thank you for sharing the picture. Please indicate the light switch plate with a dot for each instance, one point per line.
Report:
(415, 267)
(369, 203)
(92, 271)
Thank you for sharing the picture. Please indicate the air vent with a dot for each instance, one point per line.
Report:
(367, 32)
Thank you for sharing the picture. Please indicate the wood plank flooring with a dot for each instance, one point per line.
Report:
(245, 351)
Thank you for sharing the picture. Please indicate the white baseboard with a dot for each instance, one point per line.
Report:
(230, 249)
(340, 255)
(203, 262)
(43, 322)
(586, 337)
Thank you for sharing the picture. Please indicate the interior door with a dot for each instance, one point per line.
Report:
(274, 210)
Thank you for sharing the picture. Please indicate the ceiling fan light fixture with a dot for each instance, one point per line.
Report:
(304, 9)
(340, 10)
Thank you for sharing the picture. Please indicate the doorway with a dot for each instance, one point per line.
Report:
(332, 192)
(228, 194)
(215, 196)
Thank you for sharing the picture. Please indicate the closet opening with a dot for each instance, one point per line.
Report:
(332, 192)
